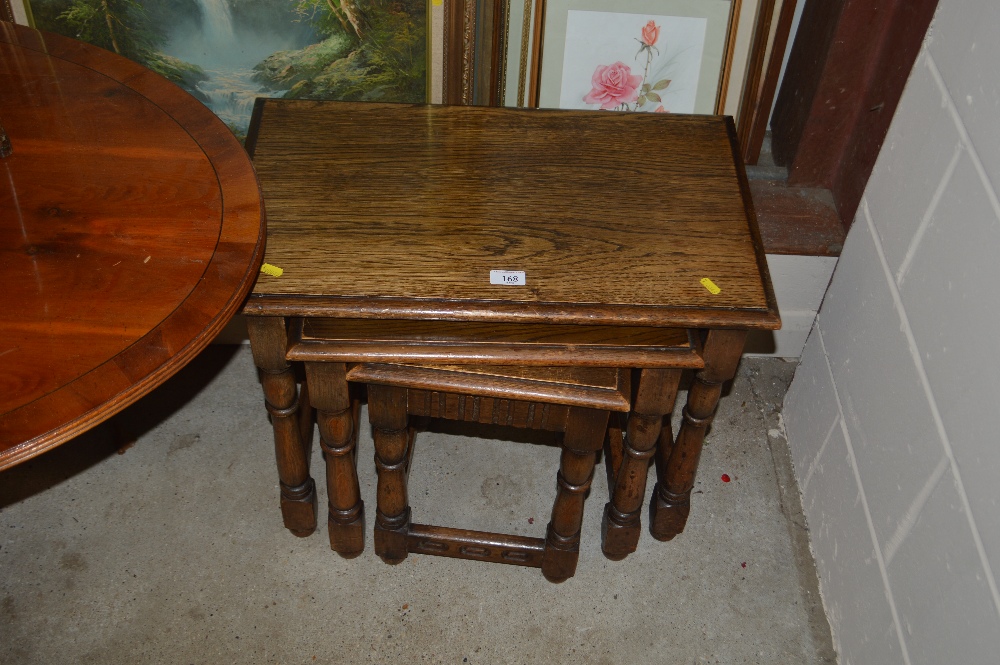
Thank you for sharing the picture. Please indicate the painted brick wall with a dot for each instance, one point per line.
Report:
(894, 414)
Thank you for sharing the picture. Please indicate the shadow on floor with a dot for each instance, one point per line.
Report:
(115, 435)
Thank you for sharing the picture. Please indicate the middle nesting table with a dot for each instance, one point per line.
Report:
(410, 357)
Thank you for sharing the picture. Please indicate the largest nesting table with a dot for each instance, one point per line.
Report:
(470, 236)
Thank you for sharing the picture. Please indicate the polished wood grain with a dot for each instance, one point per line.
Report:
(654, 400)
(297, 490)
(592, 387)
(476, 545)
(574, 401)
(393, 444)
(677, 461)
(338, 428)
(351, 340)
(131, 229)
(615, 218)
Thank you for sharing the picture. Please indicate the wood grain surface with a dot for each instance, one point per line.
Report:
(590, 387)
(370, 340)
(131, 229)
(395, 211)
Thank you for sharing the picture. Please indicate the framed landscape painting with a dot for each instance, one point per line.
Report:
(635, 55)
(13, 11)
(229, 52)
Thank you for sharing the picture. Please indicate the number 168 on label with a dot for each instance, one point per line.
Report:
(507, 277)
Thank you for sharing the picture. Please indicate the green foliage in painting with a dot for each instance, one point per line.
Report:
(397, 47)
(323, 16)
(125, 27)
(117, 25)
(375, 51)
(228, 52)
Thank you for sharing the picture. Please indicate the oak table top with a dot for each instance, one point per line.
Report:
(131, 230)
(399, 211)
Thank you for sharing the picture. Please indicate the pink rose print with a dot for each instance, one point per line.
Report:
(650, 33)
(613, 85)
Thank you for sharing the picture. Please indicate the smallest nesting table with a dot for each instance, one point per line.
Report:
(482, 236)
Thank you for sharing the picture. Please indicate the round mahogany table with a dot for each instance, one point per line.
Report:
(131, 230)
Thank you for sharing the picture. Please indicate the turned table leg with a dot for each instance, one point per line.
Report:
(268, 342)
(307, 419)
(677, 464)
(583, 437)
(328, 391)
(654, 399)
(388, 416)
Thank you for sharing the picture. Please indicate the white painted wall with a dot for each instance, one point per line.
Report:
(799, 285)
(894, 414)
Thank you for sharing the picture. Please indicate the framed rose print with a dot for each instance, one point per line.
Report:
(635, 55)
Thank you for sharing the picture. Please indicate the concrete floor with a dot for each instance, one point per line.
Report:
(172, 550)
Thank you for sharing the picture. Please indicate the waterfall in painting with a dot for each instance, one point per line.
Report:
(228, 51)
(217, 22)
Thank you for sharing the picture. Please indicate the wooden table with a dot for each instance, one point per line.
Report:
(388, 220)
(131, 230)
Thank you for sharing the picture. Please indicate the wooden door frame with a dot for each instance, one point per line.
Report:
(846, 72)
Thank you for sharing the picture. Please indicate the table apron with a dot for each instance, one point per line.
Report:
(491, 353)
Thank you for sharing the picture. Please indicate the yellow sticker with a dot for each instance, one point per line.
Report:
(437, 3)
(273, 271)
(710, 285)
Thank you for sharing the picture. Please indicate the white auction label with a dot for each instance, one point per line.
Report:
(507, 277)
